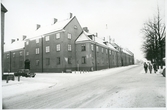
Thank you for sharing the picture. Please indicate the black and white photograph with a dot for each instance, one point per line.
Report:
(83, 54)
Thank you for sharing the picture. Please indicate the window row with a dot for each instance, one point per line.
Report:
(47, 38)
(47, 49)
(83, 48)
(58, 61)
(102, 49)
(14, 54)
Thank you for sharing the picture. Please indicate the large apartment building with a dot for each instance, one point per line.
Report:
(65, 45)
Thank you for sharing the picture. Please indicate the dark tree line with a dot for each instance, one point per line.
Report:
(154, 31)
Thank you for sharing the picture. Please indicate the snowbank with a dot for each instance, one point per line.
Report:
(48, 80)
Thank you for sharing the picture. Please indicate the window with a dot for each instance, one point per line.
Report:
(83, 60)
(69, 47)
(58, 60)
(47, 61)
(27, 53)
(102, 49)
(37, 40)
(83, 48)
(21, 53)
(37, 62)
(97, 48)
(57, 35)
(13, 54)
(106, 51)
(27, 42)
(47, 38)
(58, 47)
(69, 36)
(7, 56)
(92, 47)
(47, 49)
(110, 52)
(37, 51)
(75, 27)
(69, 61)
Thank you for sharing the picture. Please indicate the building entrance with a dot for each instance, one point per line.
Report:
(27, 64)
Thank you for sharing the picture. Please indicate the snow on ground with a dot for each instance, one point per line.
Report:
(48, 80)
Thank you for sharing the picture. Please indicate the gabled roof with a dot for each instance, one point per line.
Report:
(83, 37)
(3, 9)
(58, 26)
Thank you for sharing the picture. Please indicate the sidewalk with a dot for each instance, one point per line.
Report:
(48, 80)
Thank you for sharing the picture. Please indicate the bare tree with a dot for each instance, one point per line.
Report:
(154, 39)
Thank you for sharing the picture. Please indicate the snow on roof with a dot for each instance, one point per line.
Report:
(83, 37)
(125, 51)
(14, 46)
(100, 41)
(111, 47)
(59, 25)
(87, 33)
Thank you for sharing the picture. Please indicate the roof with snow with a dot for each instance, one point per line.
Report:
(125, 51)
(14, 46)
(58, 26)
(111, 47)
(83, 37)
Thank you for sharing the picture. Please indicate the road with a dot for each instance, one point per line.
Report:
(124, 88)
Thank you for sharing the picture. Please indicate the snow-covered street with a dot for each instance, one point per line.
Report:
(123, 87)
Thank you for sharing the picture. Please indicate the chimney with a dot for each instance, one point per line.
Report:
(104, 39)
(85, 29)
(24, 37)
(54, 20)
(96, 34)
(38, 26)
(70, 15)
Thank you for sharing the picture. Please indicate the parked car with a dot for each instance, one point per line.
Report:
(25, 73)
(8, 76)
(164, 72)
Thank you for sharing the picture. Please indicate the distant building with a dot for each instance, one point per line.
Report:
(3, 11)
(65, 45)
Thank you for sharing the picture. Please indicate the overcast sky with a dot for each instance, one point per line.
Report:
(124, 18)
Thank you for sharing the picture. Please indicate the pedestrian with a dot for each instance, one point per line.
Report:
(145, 67)
(150, 67)
(154, 67)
